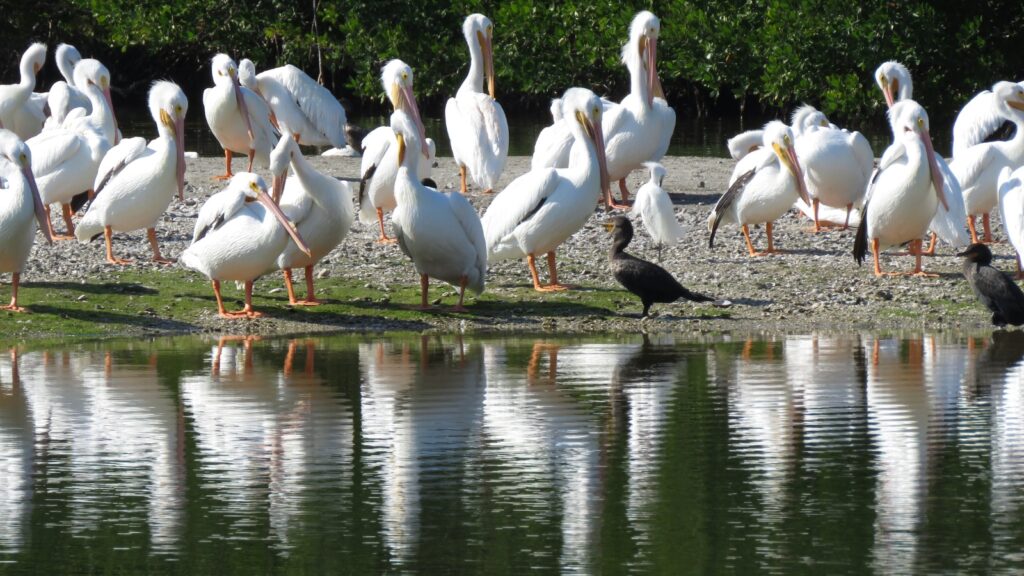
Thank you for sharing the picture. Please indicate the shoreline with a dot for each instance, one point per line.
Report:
(814, 286)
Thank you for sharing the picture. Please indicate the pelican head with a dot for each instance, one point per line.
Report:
(1011, 95)
(280, 158)
(254, 189)
(247, 75)
(67, 57)
(17, 154)
(894, 80)
(397, 79)
(168, 106)
(779, 138)
(807, 118)
(657, 172)
(584, 109)
(642, 51)
(33, 59)
(91, 72)
(225, 73)
(479, 33)
(909, 120)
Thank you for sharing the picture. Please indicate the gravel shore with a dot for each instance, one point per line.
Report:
(814, 285)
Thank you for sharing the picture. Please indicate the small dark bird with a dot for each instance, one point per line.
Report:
(995, 290)
(645, 279)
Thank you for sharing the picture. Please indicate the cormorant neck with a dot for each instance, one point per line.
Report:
(619, 242)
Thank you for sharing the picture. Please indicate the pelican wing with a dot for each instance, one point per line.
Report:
(470, 223)
(950, 225)
(862, 151)
(375, 146)
(217, 210)
(1011, 206)
(522, 198)
(977, 122)
(51, 149)
(726, 202)
(552, 147)
(116, 159)
(970, 164)
(475, 116)
(317, 103)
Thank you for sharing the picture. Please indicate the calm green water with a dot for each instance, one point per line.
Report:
(439, 455)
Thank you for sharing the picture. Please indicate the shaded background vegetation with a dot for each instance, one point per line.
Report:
(717, 57)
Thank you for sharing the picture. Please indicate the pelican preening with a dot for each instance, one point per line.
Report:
(20, 210)
(239, 235)
(977, 168)
(476, 122)
(319, 205)
(300, 105)
(135, 182)
(19, 113)
(905, 189)
(638, 129)
(238, 117)
(981, 120)
(539, 210)
(440, 233)
(65, 160)
(379, 165)
(763, 187)
(895, 82)
(836, 164)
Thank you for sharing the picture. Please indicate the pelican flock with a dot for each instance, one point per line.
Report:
(63, 147)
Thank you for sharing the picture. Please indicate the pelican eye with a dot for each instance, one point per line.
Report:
(23, 158)
(786, 140)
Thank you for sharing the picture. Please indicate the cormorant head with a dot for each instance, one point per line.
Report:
(977, 253)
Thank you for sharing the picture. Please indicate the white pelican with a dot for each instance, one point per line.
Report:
(805, 118)
(655, 208)
(1011, 209)
(379, 164)
(239, 234)
(17, 111)
(238, 117)
(639, 128)
(980, 121)
(19, 202)
(100, 118)
(900, 202)
(65, 160)
(977, 168)
(763, 187)
(64, 96)
(319, 205)
(135, 182)
(836, 164)
(440, 233)
(476, 122)
(896, 84)
(300, 105)
(542, 208)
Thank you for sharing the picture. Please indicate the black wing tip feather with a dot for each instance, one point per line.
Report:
(860, 241)
(726, 200)
(79, 200)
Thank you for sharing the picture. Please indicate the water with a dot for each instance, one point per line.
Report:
(692, 136)
(436, 455)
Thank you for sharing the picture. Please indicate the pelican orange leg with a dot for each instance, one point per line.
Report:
(13, 306)
(227, 167)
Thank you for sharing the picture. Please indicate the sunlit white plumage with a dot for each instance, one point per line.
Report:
(301, 106)
(64, 96)
(319, 205)
(440, 233)
(66, 160)
(905, 189)
(764, 185)
(135, 182)
(654, 206)
(20, 210)
(240, 233)
(979, 121)
(896, 84)
(379, 164)
(94, 79)
(744, 143)
(476, 123)
(554, 141)
(238, 117)
(639, 128)
(836, 164)
(977, 168)
(19, 112)
(539, 210)
(1011, 207)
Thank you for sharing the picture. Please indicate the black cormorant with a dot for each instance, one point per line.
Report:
(647, 280)
(995, 290)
